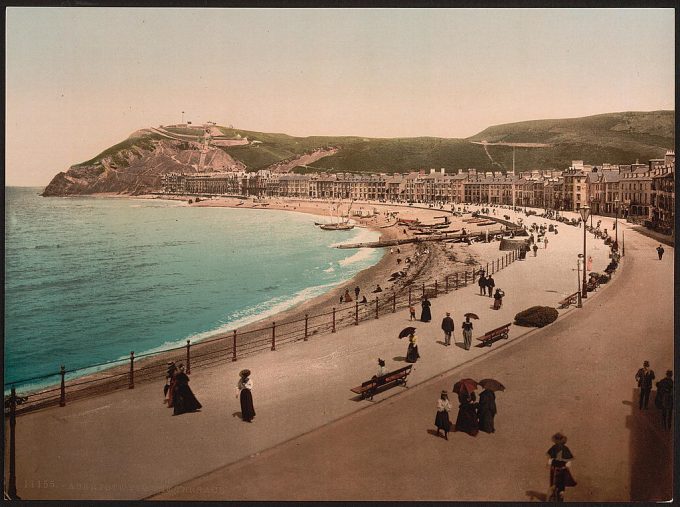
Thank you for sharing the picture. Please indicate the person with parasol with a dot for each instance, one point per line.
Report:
(559, 456)
(244, 387)
(498, 299)
(412, 354)
(467, 330)
(467, 410)
(486, 410)
(442, 421)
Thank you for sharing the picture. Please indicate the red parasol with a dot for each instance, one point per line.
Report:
(466, 385)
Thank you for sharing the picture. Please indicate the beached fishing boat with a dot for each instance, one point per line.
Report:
(342, 225)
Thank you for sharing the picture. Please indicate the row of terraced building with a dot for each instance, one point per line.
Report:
(642, 191)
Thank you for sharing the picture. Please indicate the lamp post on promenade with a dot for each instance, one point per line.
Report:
(591, 214)
(584, 211)
(579, 303)
(616, 222)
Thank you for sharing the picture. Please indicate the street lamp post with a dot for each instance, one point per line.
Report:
(591, 214)
(616, 223)
(579, 303)
(584, 211)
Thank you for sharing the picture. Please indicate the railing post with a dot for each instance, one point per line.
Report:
(456, 280)
(446, 282)
(498, 263)
(333, 328)
(306, 322)
(487, 269)
(423, 289)
(409, 295)
(12, 489)
(273, 335)
(62, 396)
(131, 384)
(436, 288)
(474, 275)
(356, 313)
(394, 301)
(233, 347)
(188, 357)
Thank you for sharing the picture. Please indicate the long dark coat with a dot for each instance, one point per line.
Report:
(425, 315)
(447, 324)
(467, 415)
(486, 411)
(183, 399)
(247, 409)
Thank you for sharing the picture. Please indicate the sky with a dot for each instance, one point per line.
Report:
(79, 80)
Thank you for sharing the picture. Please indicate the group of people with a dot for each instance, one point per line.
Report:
(473, 416)
(486, 287)
(177, 393)
(448, 327)
(664, 392)
(179, 396)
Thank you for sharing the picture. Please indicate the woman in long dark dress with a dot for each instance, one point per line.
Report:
(183, 400)
(559, 458)
(487, 411)
(412, 354)
(442, 421)
(425, 315)
(467, 414)
(245, 395)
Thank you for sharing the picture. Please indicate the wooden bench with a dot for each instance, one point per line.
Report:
(494, 335)
(569, 300)
(391, 379)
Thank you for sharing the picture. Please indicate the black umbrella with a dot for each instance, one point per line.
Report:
(472, 316)
(491, 384)
(407, 331)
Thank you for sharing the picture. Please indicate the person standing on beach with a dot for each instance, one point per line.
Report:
(425, 315)
(356, 293)
(244, 387)
(447, 327)
(347, 298)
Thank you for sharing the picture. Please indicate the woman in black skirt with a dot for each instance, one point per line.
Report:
(442, 421)
(183, 399)
(246, 397)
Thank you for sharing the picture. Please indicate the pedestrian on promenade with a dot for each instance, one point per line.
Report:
(659, 250)
(589, 264)
(498, 299)
(645, 377)
(467, 414)
(381, 368)
(545, 242)
(482, 284)
(169, 383)
(347, 298)
(412, 354)
(486, 411)
(447, 327)
(535, 249)
(442, 421)
(412, 312)
(183, 399)
(490, 284)
(244, 386)
(356, 293)
(467, 333)
(664, 399)
(425, 315)
(559, 460)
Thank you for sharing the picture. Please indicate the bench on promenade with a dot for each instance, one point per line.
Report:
(391, 379)
(569, 300)
(494, 335)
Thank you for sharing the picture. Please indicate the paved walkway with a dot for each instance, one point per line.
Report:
(126, 445)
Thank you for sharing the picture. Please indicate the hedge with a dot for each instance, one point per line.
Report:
(536, 316)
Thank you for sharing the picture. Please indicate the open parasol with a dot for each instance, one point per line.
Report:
(466, 385)
(472, 316)
(491, 384)
(407, 331)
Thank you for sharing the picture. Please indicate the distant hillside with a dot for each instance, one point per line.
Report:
(135, 165)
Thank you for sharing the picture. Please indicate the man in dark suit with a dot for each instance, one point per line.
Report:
(645, 378)
(447, 327)
(490, 284)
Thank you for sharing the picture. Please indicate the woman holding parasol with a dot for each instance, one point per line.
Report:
(246, 397)
(467, 410)
(467, 329)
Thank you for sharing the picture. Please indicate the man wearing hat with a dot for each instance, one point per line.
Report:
(664, 399)
(645, 377)
(447, 327)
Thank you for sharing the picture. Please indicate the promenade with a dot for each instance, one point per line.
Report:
(312, 440)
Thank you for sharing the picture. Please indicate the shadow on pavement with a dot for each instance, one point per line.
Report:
(536, 495)
(399, 358)
(651, 453)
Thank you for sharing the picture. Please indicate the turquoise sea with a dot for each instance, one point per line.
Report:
(87, 280)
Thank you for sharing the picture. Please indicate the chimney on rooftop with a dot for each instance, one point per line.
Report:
(443, 170)
(431, 171)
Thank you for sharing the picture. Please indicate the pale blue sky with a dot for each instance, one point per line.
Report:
(80, 80)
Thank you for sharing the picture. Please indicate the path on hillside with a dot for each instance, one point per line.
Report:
(576, 376)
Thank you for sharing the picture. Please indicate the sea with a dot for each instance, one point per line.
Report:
(90, 279)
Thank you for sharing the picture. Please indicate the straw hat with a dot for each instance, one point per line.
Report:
(444, 393)
(245, 373)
